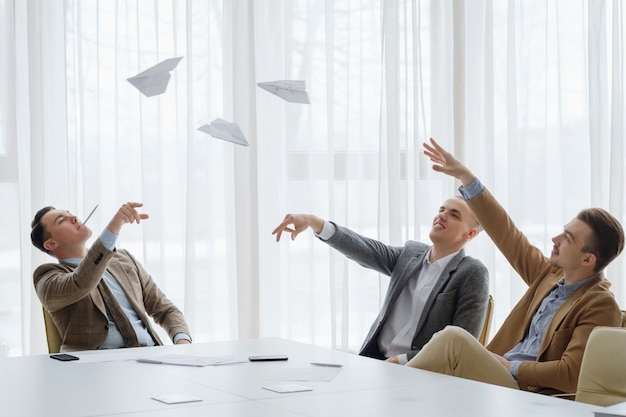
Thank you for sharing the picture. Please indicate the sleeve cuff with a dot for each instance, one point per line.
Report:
(108, 239)
(514, 368)
(403, 359)
(473, 189)
(328, 231)
(181, 335)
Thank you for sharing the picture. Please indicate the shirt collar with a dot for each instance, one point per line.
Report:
(442, 262)
(72, 261)
(569, 289)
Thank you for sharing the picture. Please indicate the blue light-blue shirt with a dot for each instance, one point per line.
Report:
(114, 337)
(528, 348)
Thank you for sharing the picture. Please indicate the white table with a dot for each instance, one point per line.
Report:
(107, 383)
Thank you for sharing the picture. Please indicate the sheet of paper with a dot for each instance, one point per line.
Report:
(185, 360)
(316, 373)
(106, 355)
(286, 388)
(154, 80)
(294, 91)
(617, 410)
(176, 399)
(228, 131)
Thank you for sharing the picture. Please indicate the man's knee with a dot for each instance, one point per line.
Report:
(452, 333)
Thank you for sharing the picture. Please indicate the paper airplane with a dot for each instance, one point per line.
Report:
(224, 130)
(293, 91)
(154, 80)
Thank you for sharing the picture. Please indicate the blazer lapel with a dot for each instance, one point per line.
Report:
(562, 313)
(411, 269)
(117, 270)
(441, 283)
(544, 288)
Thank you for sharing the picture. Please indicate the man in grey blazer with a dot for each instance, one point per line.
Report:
(99, 297)
(430, 287)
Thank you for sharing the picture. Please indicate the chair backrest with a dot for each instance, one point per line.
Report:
(52, 334)
(484, 335)
(601, 381)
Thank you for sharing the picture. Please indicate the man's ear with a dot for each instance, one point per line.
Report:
(50, 245)
(590, 260)
(472, 233)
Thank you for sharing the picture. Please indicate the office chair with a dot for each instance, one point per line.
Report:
(601, 380)
(52, 334)
(484, 335)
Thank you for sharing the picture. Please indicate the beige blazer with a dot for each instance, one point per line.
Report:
(71, 296)
(560, 354)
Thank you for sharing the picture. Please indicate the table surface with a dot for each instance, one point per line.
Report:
(107, 383)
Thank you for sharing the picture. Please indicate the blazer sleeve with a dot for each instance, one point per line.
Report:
(58, 285)
(527, 260)
(367, 252)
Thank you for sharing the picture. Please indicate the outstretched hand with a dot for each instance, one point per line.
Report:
(446, 163)
(300, 223)
(126, 214)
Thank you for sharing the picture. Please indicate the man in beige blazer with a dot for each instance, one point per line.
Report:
(540, 345)
(99, 297)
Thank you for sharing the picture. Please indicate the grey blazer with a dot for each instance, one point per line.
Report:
(459, 297)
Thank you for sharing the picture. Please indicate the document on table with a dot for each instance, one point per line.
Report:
(177, 399)
(287, 388)
(186, 360)
(147, 356)
(617, 410)
(318, 373)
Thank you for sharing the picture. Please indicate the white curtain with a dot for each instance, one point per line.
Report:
(529, 93)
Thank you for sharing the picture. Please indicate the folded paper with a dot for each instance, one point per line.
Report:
(154, 80)
(294, 91)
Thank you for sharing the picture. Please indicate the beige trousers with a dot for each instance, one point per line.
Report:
(454, 351)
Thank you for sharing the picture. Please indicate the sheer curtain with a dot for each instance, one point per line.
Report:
(529, 93)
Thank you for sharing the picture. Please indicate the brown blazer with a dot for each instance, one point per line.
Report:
(71, 296)
(560, 354)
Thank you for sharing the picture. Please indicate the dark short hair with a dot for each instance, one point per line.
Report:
(607, 237)
(38, 233)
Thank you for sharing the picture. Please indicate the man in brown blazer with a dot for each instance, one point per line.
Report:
(540, 345)
(99, 297)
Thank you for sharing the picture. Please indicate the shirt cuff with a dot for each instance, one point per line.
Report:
(473, 189)
(514, 368)
(108, 239)
(403, 359)
(328, 231)
(181, 335)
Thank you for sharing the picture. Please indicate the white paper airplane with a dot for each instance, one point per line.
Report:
(154, 80)
(224, 130)
(294, 91)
